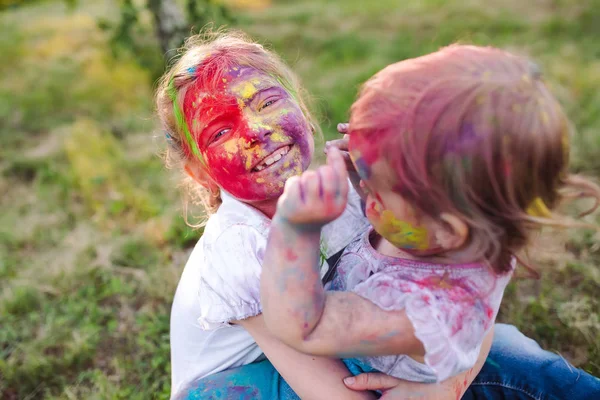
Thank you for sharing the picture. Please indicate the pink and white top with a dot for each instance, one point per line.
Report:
(451, 307)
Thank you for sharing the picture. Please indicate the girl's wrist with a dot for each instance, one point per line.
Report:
(298, 228)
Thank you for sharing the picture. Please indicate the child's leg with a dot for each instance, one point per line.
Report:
(518, 368)
(256, 381)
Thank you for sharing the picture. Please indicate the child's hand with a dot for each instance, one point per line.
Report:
(342, 145)
(316, 198)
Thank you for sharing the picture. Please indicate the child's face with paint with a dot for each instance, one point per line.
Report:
(392, 217)
(252, 134)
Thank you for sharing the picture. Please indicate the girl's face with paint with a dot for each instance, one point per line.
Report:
(251, 133)
(392, 217)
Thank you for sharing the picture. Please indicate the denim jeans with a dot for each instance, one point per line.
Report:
(516, 368)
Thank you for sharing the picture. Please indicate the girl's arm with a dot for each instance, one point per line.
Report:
(311, 377)
(295, 306)
(451, 389)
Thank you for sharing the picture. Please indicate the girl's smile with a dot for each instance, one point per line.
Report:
(251, 132)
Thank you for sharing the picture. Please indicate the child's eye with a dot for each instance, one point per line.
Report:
(267, 104)
(221, 133)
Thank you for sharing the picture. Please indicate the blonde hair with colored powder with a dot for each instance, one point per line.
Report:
(202, 61)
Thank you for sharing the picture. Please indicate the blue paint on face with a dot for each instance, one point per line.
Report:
(362, 168)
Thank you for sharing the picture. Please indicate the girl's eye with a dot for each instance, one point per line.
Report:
(221, 133)
(267, 104)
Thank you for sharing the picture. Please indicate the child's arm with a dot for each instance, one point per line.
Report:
(452, 388)
(295, 306)
(311, 377)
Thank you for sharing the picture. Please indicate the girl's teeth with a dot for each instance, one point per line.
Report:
(273, 158)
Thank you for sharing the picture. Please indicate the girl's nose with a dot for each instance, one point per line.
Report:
(258, 132)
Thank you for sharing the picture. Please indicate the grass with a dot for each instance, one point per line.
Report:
(92, 241)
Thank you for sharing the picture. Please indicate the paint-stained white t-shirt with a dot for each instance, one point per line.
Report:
(451, 306)
(221, 283)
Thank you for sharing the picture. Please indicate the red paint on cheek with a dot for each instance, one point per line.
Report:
(210, 115)
(372, 210)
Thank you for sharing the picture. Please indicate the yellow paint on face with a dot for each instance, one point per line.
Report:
(253, 154)
(260, 180)
(279, 137)
(401, 233)
(231, 147)
(246, 89)
(257, 126)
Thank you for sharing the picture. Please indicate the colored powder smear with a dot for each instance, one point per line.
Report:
(401, 233)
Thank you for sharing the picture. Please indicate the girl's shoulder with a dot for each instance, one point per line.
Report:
(238, 216)
(226, 265)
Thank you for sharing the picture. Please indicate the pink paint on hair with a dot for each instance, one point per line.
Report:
(468, 130)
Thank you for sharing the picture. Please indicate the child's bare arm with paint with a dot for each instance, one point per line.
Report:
(296, 308)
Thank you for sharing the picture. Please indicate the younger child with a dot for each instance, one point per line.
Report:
(462, 154)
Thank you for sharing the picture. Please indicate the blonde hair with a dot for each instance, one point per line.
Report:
(472, 131)
(202, 60)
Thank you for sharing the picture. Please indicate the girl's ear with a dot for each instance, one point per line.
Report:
(195, 171)
(453, 233)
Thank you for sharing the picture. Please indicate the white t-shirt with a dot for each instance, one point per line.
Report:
(221, 283)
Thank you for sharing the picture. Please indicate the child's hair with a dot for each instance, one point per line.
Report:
(473, 131)
(203, 61)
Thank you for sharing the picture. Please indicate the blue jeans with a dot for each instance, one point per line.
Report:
(256, 381)
(516, 368)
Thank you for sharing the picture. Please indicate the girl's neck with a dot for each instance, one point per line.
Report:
(267, 207)
(383, 247)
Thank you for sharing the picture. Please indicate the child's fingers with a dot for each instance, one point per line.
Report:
(343, 127)
(291, 190)
(371, 381)
(311, 185)
(331, 185)
(336, 161)
(341, 144)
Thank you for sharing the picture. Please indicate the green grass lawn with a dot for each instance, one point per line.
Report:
(92, 240)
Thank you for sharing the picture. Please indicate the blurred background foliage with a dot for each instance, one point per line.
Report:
(92, 240)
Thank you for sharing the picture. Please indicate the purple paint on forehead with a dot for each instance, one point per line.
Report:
(242, 72)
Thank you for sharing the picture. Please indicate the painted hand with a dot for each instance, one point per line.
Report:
(315, 198)
(392, 388)
(342, 145)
